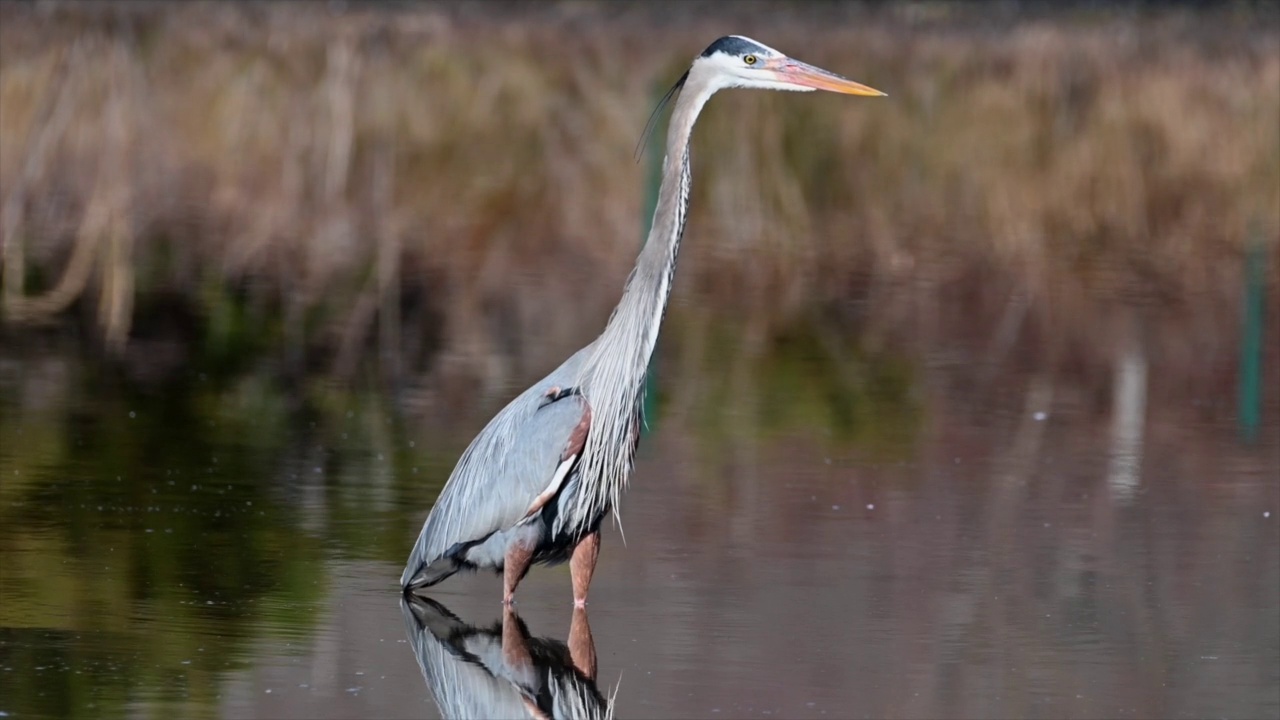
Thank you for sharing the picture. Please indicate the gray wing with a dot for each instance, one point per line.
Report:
(506, 467)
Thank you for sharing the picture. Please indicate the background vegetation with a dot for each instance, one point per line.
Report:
(451, 190)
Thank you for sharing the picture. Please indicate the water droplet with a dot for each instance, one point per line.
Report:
(132, 414)
(871, 506)
(1266, 514)
(1040, 416)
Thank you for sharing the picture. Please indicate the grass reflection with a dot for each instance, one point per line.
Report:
(807, 381)
(144, 542)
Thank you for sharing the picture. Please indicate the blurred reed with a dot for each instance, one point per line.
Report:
(456, 191)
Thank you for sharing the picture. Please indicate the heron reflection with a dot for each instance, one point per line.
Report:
(501, 671)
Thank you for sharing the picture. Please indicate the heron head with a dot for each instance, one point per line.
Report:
(736, 61)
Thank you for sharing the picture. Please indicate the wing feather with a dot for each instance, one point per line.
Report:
(502, 472)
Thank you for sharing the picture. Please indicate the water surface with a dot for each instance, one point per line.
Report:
(215, 546)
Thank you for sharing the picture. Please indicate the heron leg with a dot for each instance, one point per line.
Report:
(514, 566)
(582, 648)
(582, 565)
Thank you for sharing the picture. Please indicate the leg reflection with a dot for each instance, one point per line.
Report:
(582, 648)
(502, 671)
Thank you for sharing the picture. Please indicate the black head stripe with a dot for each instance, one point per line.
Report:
(732, 45)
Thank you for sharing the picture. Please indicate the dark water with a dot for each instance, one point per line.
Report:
(215, 546)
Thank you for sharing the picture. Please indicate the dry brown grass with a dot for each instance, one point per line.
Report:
(329, 161)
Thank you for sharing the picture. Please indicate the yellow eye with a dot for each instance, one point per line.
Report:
(749, 59)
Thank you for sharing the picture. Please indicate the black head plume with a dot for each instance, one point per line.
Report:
(734, 45)
(653, 117)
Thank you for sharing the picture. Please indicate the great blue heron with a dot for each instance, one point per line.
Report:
(501, 671)
(535, 484)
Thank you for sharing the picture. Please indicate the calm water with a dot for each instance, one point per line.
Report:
(208, 545)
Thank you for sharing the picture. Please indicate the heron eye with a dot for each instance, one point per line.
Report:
(749, 59)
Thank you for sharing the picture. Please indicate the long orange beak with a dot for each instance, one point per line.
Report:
(805, 75)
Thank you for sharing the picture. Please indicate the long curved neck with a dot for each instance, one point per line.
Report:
(632, 331)
(612, 377)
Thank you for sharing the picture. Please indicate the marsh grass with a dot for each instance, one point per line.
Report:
(458, 192)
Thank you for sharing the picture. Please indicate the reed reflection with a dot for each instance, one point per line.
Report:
(502, 671)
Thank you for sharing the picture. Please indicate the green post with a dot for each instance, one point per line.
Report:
(1251, 337)
(655, 150)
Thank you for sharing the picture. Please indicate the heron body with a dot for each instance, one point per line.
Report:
(535, 484)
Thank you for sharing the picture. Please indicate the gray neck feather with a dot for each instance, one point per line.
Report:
(613, 376)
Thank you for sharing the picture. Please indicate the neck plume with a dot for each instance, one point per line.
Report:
(613, 376)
